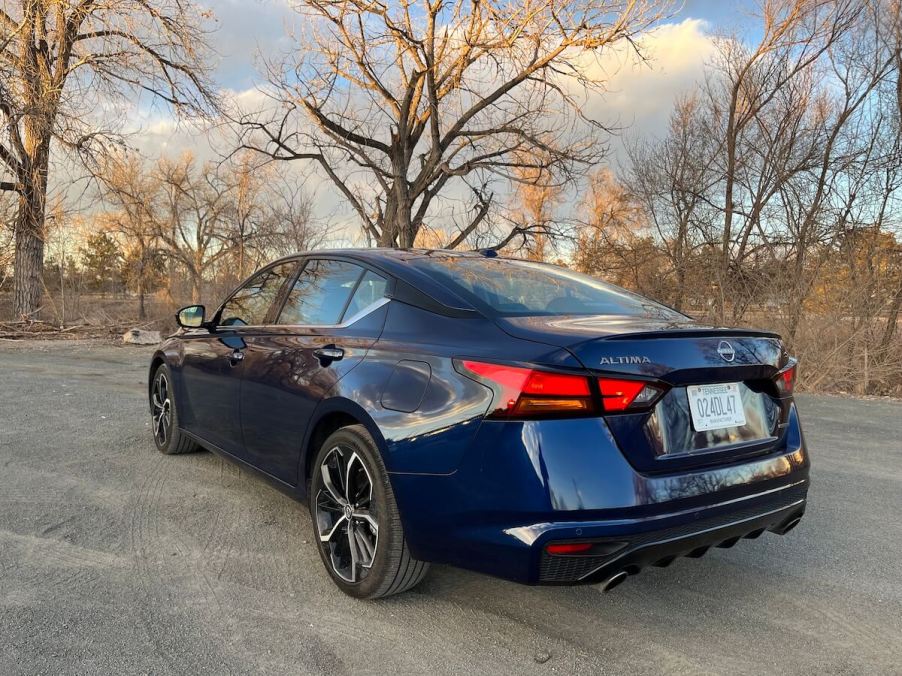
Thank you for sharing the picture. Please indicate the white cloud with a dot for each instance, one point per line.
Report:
(640, 94)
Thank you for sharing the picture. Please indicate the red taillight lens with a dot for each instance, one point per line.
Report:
(527, 393)
(620, 395)
(556, 384)
(617, 395)
(786, 378)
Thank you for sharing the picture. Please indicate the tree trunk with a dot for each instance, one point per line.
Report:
(680, 262)
(387, 236)
(172, 281)
(733, 132)
(62, 292)
(27, 278)
(29, 260)
(196, 290)
(142, 312)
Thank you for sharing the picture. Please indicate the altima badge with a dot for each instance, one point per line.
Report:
(726, 351)
(629, 359)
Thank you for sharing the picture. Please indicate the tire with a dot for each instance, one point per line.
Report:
(380, 563)
(167, 436)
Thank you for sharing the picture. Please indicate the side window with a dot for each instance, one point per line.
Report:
(370, 289)
(250, 304)
(320, 293)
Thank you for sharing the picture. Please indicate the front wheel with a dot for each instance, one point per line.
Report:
(356, 520)
(167, 436)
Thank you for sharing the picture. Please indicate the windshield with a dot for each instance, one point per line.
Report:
(514, 288)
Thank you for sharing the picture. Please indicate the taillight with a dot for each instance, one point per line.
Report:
(622, 395)
(786, 378)
(528, 393)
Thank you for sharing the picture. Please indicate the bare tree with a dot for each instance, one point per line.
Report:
(292, 227)
(210, 222)
(616, 241)
(195, 215)
(133, 195)
(532, 218)
(250, 215)
(796, 34)
(415, 110)
(671, 180)
(60, 58)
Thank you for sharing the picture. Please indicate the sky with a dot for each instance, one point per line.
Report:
(638, 100)
(247, 26)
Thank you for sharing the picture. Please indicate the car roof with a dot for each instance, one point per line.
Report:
(387, 253)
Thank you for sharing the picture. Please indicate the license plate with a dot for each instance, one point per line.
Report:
(715, 407)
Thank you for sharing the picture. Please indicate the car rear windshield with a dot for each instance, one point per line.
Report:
(514, 288)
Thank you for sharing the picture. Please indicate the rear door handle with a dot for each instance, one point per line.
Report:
(328, 354)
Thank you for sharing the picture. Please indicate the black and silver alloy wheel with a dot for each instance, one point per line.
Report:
(346, 521)
(356, 520)
(164, 413)
(161, 405)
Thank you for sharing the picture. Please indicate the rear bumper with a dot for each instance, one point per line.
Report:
(629, 554)
(523, 485)
(514, 549)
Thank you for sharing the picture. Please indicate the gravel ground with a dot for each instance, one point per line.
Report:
(116, 559)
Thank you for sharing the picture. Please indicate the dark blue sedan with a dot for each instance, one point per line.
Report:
(510, 417)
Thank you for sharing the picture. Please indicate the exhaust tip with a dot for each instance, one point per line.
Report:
(614, 581)
(789, 526)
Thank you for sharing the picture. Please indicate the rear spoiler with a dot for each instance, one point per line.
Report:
(696, 332)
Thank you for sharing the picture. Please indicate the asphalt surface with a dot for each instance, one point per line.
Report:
(117, 559)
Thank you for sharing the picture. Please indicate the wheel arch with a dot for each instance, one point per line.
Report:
(159, 358)
(169, 353)
(331, 415)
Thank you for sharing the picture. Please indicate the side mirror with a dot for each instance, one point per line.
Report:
(191, 317)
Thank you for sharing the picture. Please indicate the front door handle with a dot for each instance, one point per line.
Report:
(236, 357)
(328, 354)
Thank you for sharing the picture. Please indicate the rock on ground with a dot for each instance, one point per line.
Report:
(141, 337)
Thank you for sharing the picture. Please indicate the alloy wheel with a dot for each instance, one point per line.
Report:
(346, 522)
(161, 403)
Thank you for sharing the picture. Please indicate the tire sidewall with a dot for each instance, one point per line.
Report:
(174, 419)
(357, 439)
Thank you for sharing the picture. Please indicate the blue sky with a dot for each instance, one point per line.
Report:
(722, 12)
(245, 27)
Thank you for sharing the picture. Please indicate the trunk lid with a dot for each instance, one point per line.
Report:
(676, 354)
(598, 339)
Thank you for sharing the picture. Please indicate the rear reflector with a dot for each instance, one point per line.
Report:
(568, 547)
(528, 393)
